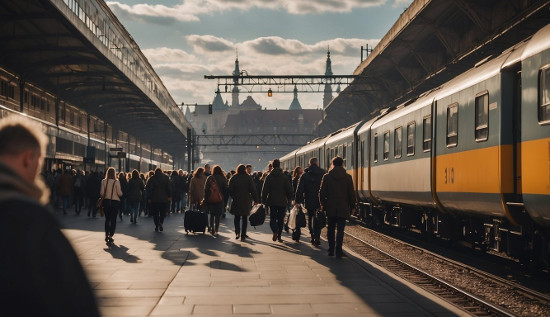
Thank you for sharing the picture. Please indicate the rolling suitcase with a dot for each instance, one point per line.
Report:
(195, 221)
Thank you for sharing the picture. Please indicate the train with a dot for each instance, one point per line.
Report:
(77, 140)
(468, 160)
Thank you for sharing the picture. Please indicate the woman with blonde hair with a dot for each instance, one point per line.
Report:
(111, 193)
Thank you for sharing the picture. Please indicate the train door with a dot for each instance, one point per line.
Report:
(517, 131)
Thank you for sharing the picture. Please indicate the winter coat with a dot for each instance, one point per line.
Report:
(243, 192)
(41, 274)
(196, 189)
(308, 187)
(65, 186)
(175, 187)
(158, 188)
(337, 195)
(277, 190)
(93, 186)
(112, 191)
(135, 190)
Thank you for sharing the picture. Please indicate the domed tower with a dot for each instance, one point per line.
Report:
(295, 105)
(327, 96)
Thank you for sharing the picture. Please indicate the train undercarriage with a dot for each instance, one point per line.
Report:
(529, 243)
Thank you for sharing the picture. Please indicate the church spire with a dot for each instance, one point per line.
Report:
(235, 91)
(327, 96)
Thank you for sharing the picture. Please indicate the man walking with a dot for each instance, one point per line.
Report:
(158, 195)
(308, 190)
(337, 198)
(41, 274)
(276, 193)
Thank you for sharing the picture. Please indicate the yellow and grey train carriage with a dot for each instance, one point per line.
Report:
(344, 144)
(534, 174)
(468, 160)
(395, 162)
(314, 148)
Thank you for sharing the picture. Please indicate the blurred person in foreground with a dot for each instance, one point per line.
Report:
(40, 274)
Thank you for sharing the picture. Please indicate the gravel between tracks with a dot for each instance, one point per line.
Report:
(493, 292)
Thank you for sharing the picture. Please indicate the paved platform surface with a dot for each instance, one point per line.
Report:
(148, 273)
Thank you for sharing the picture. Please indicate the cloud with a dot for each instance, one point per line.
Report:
(183, 72)
(209, 43)
(190, 10)
(167, 55)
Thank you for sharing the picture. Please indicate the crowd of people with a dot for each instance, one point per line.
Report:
(38, 260)
(158, 193)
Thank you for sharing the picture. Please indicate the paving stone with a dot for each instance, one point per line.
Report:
(174, 274)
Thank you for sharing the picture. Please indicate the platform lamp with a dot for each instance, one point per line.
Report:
(270, 92)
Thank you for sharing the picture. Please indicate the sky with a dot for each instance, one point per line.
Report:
(187, 39)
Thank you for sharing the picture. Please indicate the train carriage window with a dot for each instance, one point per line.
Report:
(398, 142)
(544, 95)
(482, 117)
(386, 145)
(375, 151)
(427, 134)
(410, 138)
(452, 125)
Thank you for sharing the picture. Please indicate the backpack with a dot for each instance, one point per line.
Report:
(215, 195)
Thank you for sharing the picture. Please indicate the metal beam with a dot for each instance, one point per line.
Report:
(307, 83)
(254, 140)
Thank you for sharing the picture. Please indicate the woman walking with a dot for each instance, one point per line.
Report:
(196, 188)
(111, 193)
(135, 192)
(215, 191)
(243, 192)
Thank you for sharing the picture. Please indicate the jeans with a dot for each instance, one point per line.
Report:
(111, 209)
(159, 212)
(277, 218)
(238, 228)
(215, 214)
(134, 209)
(339, 224)
(66, 203)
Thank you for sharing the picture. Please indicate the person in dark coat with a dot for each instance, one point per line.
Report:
(215, 208)
(124, 198)
(175, 187)
(159, 195)
(135, 192)
(243, 193)
(78, 191)
(277, 193)
(93, 187)
(337, 198)
(308, 191)
(65, 189)
(41, 274)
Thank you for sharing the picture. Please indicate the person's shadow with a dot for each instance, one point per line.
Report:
(121, 252)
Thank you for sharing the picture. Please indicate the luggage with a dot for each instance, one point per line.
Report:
(321, 218)
(195, 221)
(257, 215)
(297, 218)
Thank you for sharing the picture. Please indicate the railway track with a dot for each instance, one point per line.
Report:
(462, 285)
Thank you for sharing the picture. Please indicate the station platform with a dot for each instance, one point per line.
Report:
(170, 273)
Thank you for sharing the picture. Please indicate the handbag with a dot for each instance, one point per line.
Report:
(321, 218)
(257, 215)
(300, 218)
